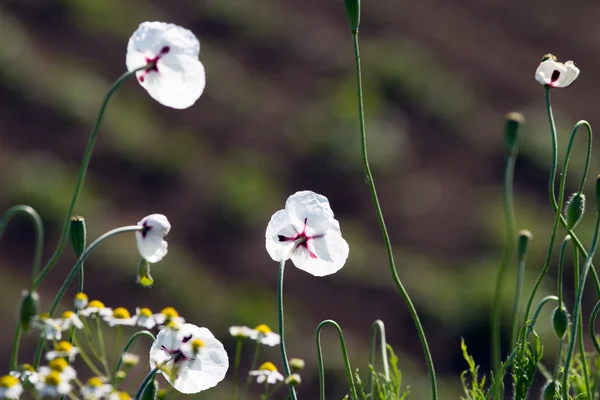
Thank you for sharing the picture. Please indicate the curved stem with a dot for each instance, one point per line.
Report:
(577, 306)
(14, 356)
(378, 326)
(584, 367)
(74, 270)
(518, 296)
(81, 177)
(354, 393)
(561, 261)
(86, 358)
(384, 232)
(150, 376)
(593, 327)
(130, 342)
(286, 364)
(510, 238)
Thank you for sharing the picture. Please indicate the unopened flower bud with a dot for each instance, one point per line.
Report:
(28, 308)
(560, 322)
(77, 235)
(144, 278)
(353, 14)
(550, 390)
(550, 57)
(297, 364)
(525, 237)
(574, 209)
(150, 391)
(514, 120)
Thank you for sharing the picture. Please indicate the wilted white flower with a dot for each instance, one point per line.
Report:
(60, 366)
(53, 385)
(51, 328)
(145, 318)
(95, 389)
(240, 331)
(120, 316)
(556, 74)
(10, 387)
(192, 358)
(63, 349)
(176, 77)
(169, 317)
(69, 319)
(264, 335)
(306, 232)
(150, 242)
(267, 372)
(96, 307)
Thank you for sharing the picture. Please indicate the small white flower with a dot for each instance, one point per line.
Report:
(51, 328)
(69, 319)
(81, 301)
(10, 387)
(130, 359)
(267, 372)
(306, 232)
(144, 317)
(120, 316)
(150, 242)
(119, 396)
(60, 366)
(293, 379)
(96, 307)
(63, 349)
(556, 74)
(168, 317)
(95, 389)
(264, 335)
(240, 331)
(26, 374)
(53, 385)
(177, 77)
(198, 360)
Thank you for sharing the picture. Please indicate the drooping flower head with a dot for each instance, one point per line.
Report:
(267, 372)
(192, 359)
(150, 242)
(307, 232)
(556, 74)
(175, 77)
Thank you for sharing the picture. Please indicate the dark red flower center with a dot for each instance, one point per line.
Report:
(301, 239)
(153, 63)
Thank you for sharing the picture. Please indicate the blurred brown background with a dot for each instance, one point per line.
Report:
(279, 115)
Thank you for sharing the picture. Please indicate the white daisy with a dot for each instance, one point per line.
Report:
(96, 307)
(51, 328)
(267, 372)
(145, 318)
(264, 335)
(60, 366)
(26, 374)
(81, 301)
(240, 331)
(63, 349)
(95, 389)
(120, 316)
(130, 359)
(168, 316)
(10, 387)
(69, 319)
(53, 385)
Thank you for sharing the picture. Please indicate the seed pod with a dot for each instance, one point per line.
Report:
(353, 14)
(574, 209)
(28, 308)
(77, 235)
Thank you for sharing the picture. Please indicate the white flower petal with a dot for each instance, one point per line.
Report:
(556, 74)
(331, 253)
(279, 225)
(310, 207)
(150, 241)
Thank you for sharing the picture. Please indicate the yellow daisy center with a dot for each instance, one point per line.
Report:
(262, 328)
(81, 297)
(63, 346)
(121, 313)
(94, 382)
(170, 312)
(58, 364)
(268, 366)
(124, 396)
(67, 314)
(28, 367)
(44, 316)
(96, 304)
(53, 379)
(197, 344)
(145, 312)
(7, 381)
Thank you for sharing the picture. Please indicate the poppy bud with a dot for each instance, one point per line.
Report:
(150, 391)
(353, 14)
(28, 308)
(574, 209)
(560, 321)
(144, 278)
(514, 120)
(525, 237)
(77, 235)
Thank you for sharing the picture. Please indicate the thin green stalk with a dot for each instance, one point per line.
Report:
(252, 368)
(74, 270)
(579, 296)
(378, 326)
(81, 177)
(561, 261)
(119, 335)
(510, 239)
(580, 333)
(353, 392)
(557, 363)
(384, 232)
(236, 365)
(14, 356)
(286, 363)
(524, 238)
(593, 327)
(130, 342)
(88, 336)
(103, 354)
(84, 356)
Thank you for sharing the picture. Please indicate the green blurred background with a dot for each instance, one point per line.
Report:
(279, 115)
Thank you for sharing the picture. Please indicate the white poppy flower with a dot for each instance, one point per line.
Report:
(60, 366)
(150, 242)
(168, 317)
(69, 319)
(95, 389)
(51, 328)
(10, 387)
(176, 78)
(63, 349)
(264, 335)
(556, 74)
(306, 232)
(144, 318)
(267, 372)
(53, 385)
(198, 359)
(96, 307)
(120, 316)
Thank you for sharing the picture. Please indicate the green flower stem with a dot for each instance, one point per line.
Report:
(236, 365)
(378, 326)
(84, 356)
(81, 177)
(74, 270)
(507, 258)
(518, 296)
(578, 298)
(118, 339)
(584, 366)
(37, 262)
(558, 359)
(150, 376)
(386, 237)
(130, 342)
(593, 327)
(353, 392)
(88, 336)
(286, 363)
(103, 354)
(252, 368)
(561, 261)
